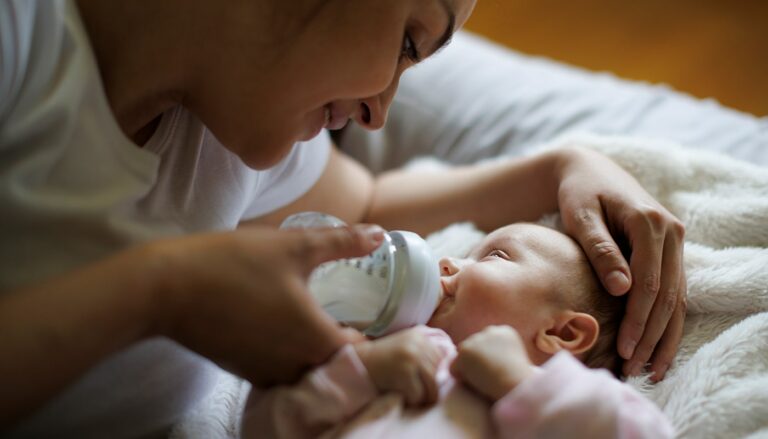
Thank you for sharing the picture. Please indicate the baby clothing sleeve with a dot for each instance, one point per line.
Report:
(566, 399)
(324, 397)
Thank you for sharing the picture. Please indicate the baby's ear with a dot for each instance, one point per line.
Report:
(572, 331)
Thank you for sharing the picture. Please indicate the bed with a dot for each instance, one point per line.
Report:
(476, 101)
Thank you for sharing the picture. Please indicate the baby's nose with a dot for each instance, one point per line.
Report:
(448, 266)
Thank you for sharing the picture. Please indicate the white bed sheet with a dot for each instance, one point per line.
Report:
(477, 100)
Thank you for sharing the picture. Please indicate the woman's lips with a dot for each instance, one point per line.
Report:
(332, 118)
(336, 118)
(327, 114)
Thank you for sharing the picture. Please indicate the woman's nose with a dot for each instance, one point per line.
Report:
(372, 113)
(449, 266)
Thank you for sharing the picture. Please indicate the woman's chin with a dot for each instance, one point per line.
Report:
(260, 160)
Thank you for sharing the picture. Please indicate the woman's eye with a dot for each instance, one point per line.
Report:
(408, 51)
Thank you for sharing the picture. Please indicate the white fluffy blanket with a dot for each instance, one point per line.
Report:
(718, 384)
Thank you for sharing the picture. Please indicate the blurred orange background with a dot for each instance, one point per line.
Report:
(708, 48)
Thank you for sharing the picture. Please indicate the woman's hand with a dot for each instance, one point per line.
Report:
(405, 362)
(600, 203)
(493, 362)
(240, 298)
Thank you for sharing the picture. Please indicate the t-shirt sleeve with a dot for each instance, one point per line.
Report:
(16, 26)
(566, 399)
(293, 177)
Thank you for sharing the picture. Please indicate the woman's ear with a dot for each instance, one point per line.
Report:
(572, 331)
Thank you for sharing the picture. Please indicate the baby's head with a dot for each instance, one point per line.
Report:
(538, 281)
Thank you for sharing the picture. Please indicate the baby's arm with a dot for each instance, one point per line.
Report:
(405, 362)
(562, 399)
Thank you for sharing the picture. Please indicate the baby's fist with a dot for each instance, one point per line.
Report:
(405, 362)
(493, 361)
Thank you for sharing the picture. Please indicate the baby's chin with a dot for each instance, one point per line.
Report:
(457, 335)
(440, 323)
(436, 323)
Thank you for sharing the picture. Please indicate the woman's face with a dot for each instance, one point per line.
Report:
(342, 62)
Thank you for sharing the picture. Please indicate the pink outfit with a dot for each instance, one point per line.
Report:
(562, 399)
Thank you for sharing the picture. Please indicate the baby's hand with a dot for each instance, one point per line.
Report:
(493, 361)
(405, 362)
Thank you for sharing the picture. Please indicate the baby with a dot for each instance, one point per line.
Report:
(524, 297)
(539, 282)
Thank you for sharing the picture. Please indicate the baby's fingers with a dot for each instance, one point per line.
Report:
(428, 377)
(413, 387)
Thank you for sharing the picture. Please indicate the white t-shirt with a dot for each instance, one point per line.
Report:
(74, 189)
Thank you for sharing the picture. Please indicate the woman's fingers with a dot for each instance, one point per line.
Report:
(311, 248)
(657, 277)
(663, 304)
(670, 340)
(588, 226)
(647, 241)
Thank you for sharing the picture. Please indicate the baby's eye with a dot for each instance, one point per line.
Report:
(496, 253)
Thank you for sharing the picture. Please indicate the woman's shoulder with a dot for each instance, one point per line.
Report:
(30, 39)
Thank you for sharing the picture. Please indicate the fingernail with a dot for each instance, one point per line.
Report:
(372, 233)
(628, 349)
(617, 282)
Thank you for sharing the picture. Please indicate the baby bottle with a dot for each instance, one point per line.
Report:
(396, 286)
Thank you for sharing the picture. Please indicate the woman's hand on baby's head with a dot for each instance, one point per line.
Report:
(405, 362)
(599, 203)
(493, 361)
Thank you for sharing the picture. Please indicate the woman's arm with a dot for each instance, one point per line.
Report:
(238, 298)
(53, 332)
(490, 195)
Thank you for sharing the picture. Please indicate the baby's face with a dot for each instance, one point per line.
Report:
(509, 278)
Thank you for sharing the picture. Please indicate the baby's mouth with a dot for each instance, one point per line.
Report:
(444, 303)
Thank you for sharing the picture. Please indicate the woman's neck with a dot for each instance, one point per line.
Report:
(141, 68)
(153, 55)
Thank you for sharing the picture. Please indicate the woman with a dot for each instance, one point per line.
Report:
(136, 135)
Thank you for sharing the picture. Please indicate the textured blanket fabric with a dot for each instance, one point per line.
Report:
(718, 384)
